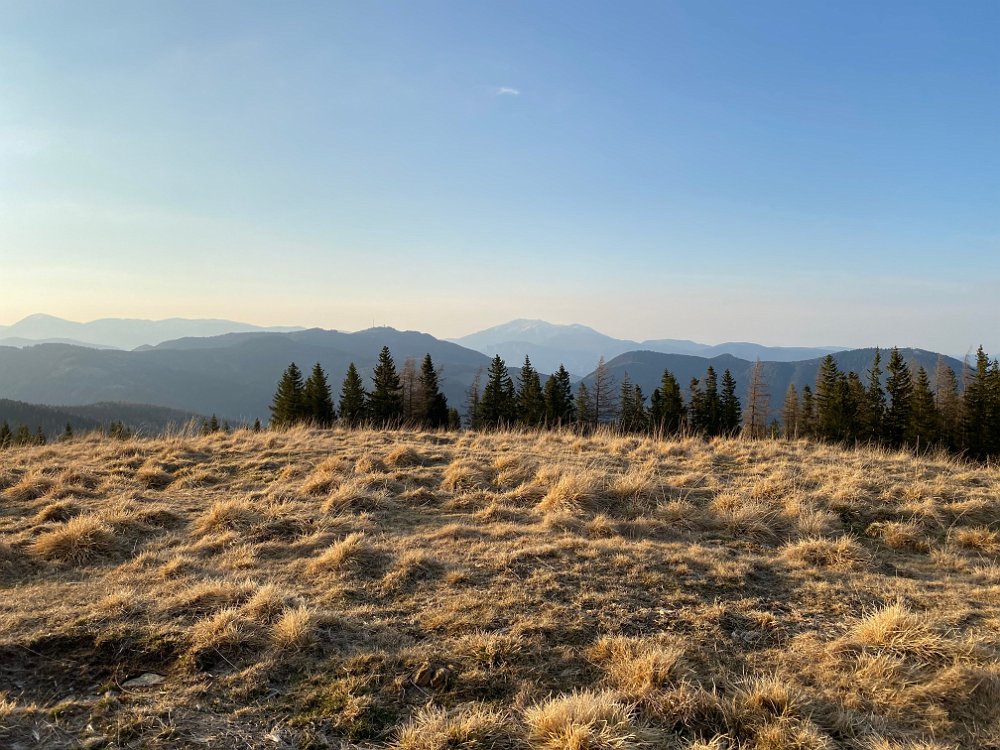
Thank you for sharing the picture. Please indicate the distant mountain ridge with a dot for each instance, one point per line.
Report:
(578, 347)
(142, 418)
(118, 333)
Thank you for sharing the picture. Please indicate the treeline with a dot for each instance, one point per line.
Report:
(412, 397)
(22, 435)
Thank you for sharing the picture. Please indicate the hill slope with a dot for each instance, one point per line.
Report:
(428, 591)
(232, 375)
(53, 419)
(646, 368)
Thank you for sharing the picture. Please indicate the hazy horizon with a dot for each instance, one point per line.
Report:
(782, 173)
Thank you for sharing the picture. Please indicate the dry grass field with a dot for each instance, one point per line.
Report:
(426, 591)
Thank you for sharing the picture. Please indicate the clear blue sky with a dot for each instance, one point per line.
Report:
(784, 172)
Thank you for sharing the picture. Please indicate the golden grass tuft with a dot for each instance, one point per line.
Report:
(894, 629)
(403, 456)
(228, 515)
(841, 553)
(32, 486)
(584, 720)
(346, 554)
(639, 666)
(464, 728)
(900, 535)
(79, 540)
(295, 629)
(464, 474)
(574, 492)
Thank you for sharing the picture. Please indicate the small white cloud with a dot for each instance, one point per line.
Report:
(508, 91)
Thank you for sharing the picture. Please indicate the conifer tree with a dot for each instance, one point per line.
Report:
(758, 402)
(473, 402)
(67, 432)
(584, 406)
(256, 425)
(530, 398)
(790, 413)
(317, 400)
(828, 401)
(948, 403)
(874, 412)
(899, 389)
(454, 419)
(633, 416)
(979, 407)
(499, 404)
(413, 401)
(924, 419)
(385, 403)
(434, 405)
(696, 409)
(353, 399)
(40, 438)
(730, 411)
(667, 405)
(807, 415)
(604, 394)
(854, 397)
(22, 435)
(287, 405)
(558, 398)
(712, 412)
(6, 436)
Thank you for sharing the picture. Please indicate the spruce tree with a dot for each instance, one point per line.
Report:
(667, 405)
(353, 399)
(22, 435)
(899, 389)
(854, 397)
(696, 408)
(558, 398)
(454, 419)
(530, 398)
(874, 412)
(584, 406)
(40, 438)
(633, 416)
(473, 402)
(499, 404)
(978, 407)
(827, 400)
(287, 404)
(790, 413)
(924, 419)
(713, 411)
(256, 425)
(317, 398)
(67, 432)
(807, 415)
(730, 412)
(385, 403)
(948, 403)
(433, 403)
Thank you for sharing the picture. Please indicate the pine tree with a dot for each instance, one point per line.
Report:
(633, 416)
(828, 400)
(22, 435)
(434, 405)
(413, 406)
(604, 394)
(353, 399)
(256, 425)
(807, 415)
(713, 412)
(499, 403)
(899, 389)
(730, 411)
(558, 399)
(67, 432)
(949, 405)
(924, 419)
(385, 403)
(530, 398)
(697, 411)
(454, 419)
(317, 400)
(584, 405)
(667, 406)
(790, 413)
(287, 404)
(874, 411)
(473, 402)
(978, 407)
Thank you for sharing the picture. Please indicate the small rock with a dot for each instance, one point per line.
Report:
(147, 680)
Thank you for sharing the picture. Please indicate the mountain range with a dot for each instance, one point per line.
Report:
(579, 347)
(234, 374)
(117, 333)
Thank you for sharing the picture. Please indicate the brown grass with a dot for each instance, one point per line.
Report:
(423, 591)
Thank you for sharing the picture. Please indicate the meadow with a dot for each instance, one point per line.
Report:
(429, 591)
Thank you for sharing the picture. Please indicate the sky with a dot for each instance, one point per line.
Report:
(790, 173)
